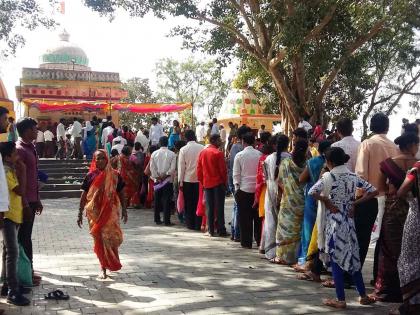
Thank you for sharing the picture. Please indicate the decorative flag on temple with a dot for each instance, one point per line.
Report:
(63, 7)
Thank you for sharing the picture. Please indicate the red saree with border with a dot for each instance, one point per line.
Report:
(103, 212)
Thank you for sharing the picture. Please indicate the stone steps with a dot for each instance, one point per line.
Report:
(60, 194)
(64, 178)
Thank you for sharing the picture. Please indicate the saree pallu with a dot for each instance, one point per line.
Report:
(290, 216)
(201, 207)
(387, 286)
(103, 212)
(314, 166)
(131, 178)
(261, 214)
(89, 144)
(270, 207)
(260, 191)
(409, 260)
(173, 138)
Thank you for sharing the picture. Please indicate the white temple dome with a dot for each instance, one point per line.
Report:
(65, 56)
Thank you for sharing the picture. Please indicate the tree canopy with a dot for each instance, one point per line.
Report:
(16, 15)
(139, 91)
(303, 46)
(196, 82)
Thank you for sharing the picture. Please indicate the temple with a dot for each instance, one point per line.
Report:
(241, 107)
(64, 76)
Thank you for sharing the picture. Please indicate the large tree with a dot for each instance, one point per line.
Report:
(301, 45)
(193, 81)
(16, 15)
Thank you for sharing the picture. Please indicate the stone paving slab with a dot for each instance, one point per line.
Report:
(166, 270)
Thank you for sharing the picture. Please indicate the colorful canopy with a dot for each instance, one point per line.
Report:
(151, 108)
(55, 106)
(59, 105)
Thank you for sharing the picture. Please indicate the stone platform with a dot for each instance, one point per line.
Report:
(166, 270)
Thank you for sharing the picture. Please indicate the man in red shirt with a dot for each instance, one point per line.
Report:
(212, 174)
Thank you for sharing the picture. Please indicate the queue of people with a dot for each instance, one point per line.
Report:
(312, 207)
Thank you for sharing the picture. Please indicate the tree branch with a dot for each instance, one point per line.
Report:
(261, 28)
(348, 52)
(318, 29)
(239, 38)
(408, 87)
(240, 7)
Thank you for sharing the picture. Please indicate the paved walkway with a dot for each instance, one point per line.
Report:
(165, 271)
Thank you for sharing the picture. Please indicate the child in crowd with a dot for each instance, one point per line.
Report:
(12, 219)
(337, 190)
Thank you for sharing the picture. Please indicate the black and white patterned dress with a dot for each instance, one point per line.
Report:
(340, 232)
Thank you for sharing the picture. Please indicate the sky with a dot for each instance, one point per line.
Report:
(130, 46)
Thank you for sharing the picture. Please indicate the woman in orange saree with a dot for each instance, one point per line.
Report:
(103, 201)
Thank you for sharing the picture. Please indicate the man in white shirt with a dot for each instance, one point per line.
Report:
(107, 129)
(4, 191)
(244, 179)
(155, 132)
(76, 133)
(61, 138)
(261, 130)
(119, 139)
(200, 132)
(214, 128)
(347, 142)
(49, 143)
(117, 146)
(143, 140)
(188, 181)
(40, 143)
(304, 124)
(223, 136)
(162, 169)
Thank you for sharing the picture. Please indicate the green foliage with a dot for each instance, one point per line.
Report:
(196, 82)
(139, 91)
(18, 14)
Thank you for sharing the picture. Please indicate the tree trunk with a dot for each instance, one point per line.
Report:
(288, 105)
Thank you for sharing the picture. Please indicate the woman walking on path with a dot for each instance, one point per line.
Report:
(409, 261)
(393, 171)
(336, 190)
(291, 206)
(103, 201)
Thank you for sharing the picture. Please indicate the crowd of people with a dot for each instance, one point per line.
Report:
(310, 202)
